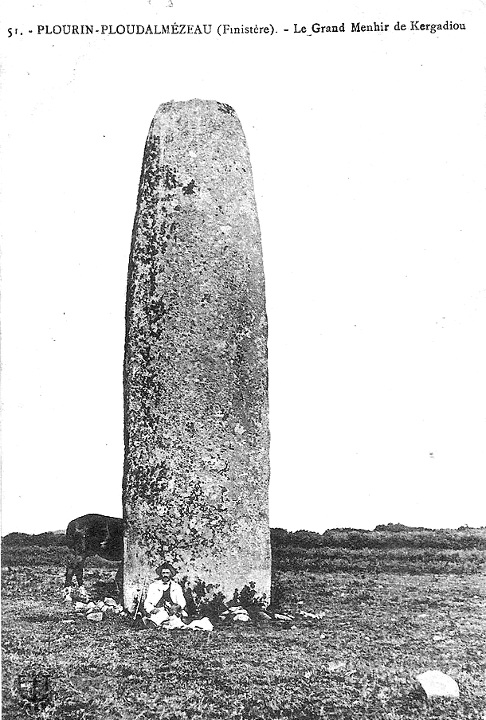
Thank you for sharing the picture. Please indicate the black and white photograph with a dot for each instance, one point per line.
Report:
(243, 352)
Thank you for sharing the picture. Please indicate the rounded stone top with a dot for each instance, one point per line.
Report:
(196, 105)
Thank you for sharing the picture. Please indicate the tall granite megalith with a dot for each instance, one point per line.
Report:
(196, 473)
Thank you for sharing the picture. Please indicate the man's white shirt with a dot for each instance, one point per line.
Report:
(156, 590)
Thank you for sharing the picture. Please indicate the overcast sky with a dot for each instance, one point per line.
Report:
(368, 152)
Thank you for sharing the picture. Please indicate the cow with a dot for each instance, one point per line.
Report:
(90, 535)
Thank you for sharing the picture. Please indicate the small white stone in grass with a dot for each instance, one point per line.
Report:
(238, 610)
(437, 684)
(203, 624)
(335, 665)
(95, 616)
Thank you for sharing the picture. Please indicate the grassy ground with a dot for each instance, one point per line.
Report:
(376, 631)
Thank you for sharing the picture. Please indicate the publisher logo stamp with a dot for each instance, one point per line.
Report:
(34, 687)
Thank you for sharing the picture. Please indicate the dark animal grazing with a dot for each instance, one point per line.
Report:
(93, 535)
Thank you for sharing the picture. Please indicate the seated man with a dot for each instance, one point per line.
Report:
(164, 596)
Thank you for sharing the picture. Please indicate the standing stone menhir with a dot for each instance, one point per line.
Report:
(196, 394)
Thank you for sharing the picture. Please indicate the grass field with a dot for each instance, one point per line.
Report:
(383, 621)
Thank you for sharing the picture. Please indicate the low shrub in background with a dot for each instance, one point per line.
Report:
(391, 548)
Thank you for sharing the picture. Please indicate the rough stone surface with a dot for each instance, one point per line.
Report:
(196, 398)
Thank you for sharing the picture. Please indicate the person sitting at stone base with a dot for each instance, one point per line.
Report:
(164, 599)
